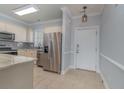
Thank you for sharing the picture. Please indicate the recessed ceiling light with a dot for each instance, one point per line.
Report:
(26, 10)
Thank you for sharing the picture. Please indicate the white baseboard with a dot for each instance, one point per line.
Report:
(104, 80)
(102, 76)
(66, 70)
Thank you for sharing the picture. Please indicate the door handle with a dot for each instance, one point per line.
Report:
(77, 48)
(51, 49)
(77, 51)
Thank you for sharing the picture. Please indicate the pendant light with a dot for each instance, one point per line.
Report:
(84, 16)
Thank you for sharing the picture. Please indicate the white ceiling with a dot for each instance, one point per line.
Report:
(49, 11)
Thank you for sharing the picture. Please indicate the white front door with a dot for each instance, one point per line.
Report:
(85, 49)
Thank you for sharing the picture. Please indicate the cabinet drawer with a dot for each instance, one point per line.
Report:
(22, 53)
(28, 53)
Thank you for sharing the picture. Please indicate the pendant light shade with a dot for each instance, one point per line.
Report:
(84, 16)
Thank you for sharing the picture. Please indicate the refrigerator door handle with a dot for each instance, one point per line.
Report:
(51, 50)
(48, 55)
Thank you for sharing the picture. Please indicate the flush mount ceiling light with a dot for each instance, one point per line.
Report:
(26, 10)
(84, 16)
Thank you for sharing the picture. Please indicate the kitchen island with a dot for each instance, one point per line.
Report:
(16, 72)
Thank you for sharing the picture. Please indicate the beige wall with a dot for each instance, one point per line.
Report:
(20, 32)
(49, 29)
(30, 34)
(10, 25)
(49, 26)
(55, 26)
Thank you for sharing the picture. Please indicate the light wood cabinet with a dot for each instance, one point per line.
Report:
(28, 52)
(43, 60)
(21, 52)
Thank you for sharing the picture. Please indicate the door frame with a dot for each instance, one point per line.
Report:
(97, 44)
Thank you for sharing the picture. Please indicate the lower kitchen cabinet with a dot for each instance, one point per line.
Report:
(27, 52)
(43, 60)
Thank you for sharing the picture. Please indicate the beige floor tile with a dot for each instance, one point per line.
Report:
(73, 79)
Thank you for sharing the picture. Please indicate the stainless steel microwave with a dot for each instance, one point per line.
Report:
(7, 36)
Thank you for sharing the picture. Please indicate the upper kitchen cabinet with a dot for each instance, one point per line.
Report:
(20, 32)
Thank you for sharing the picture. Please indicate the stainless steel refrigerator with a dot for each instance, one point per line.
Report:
(52, 49)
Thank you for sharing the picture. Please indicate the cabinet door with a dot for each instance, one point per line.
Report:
(28, 52)
(31, 53)
(34, 54)
(22, 52)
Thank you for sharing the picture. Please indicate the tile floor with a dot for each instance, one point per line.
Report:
(73, 79)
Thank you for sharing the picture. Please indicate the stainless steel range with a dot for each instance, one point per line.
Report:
(7, 50)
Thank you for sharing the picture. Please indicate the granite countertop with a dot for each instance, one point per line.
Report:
(8, 51)
(7, 60)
